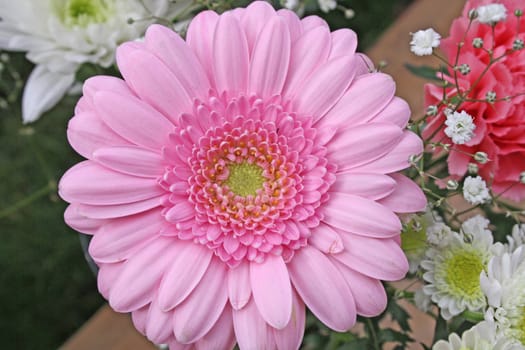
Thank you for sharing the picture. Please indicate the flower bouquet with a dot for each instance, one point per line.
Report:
(253, 180)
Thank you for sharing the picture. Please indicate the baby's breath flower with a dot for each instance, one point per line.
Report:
(517, 44)
(481, 157)
(327, 5)
(424, 41)
(473, 168)
(475, 190)
(490, 97)
(522, 177)
(464, 69)
(452, 185)
(432, 110)
(492, 13)
(460, 127)
(477, 43)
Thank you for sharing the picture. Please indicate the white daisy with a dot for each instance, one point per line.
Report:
(482, 336)
(460, 127)
(60, 35)
(475, 190)
(424, 41)
(453, 269)
(504, 285)
(492, 13)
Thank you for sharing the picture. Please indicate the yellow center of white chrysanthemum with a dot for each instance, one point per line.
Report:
(520, 326)
(82, 12)
(462, 271)
(245, 179)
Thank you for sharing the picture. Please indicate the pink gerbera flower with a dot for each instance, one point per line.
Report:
(235, 177)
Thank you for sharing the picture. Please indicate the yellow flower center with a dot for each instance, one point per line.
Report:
(520, 327)
(82, 12)
(245, 179)
(462, 271)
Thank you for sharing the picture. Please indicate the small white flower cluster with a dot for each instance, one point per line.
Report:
(460, 127)
(475, 190)
(424, 41)
(491, 14)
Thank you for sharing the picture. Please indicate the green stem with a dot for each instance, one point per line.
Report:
(472, 316)
(50, 187)
(372, 333)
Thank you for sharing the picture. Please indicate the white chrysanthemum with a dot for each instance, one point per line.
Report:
(491, 13)
(327, 5)
(424, 41)
(453, 269)
(460, 127)
(517, 238)
(60, 35)
(414, 237)
(504, 285)
(476, 225)
(482, 336)
(422, 300)
(475, 190)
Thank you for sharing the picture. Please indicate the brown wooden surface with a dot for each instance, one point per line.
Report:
(108, 330)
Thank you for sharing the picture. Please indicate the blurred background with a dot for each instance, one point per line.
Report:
(47, 289)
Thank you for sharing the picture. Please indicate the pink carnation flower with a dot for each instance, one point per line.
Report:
(500, 126)
(235, 177)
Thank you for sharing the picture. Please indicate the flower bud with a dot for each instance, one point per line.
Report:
(491, 97)
(432, 110)
(522, 177)
(464, 69)
(477, 43)
(452, 185)
(473, 168)
(517, 44)
(473, 14)
(481, 157)
(518, 12)
(349, 13)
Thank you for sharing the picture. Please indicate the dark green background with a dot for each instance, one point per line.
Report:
(46, 288)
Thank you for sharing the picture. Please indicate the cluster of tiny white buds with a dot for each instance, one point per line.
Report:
(491, 14)
(477, 43)
(431, 110)
(522, 177)
(473, 168)
(517, 44)
(475, 190)
(460, 127)
(424, 41)
(481, 157)
(490, 96)
(452, 185)
(464, 69)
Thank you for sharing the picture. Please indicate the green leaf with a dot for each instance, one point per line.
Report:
(356, 344)
(441, 330)
(399, 315)
(425, 72)
(390, 335)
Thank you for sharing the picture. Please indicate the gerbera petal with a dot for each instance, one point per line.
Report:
(153, 82)
(158, 328)
(311, 22)
(141, 273)
(86, 133)
(200, 39)
(255, 19)
(406, 198)
(361, 216)
(352, 147)
(344, 43)
(358, 105)
(270, 59)
(377, 258)
(250, 329)
(326, 239)
(272, 291)
(239, 286)
(131, 160)
(368, 185)
(186, 271)
(398, 158)
(117, 240)
(369, 294)
(179, 59)
(119, 210)
(293, 22)
(396, 112)
(323, 289)
(90, 183)
(140, 318)
(99, 83)
(230, 56)
(307, 54)
(81, 223)
(291, 336)
(221, 336)
(106, 276)
(198, 313)
(133, 120)
(325, 87)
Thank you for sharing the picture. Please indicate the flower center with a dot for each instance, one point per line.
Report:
(82, 12)
(519, 326)
(462, 271)
(245, 179)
